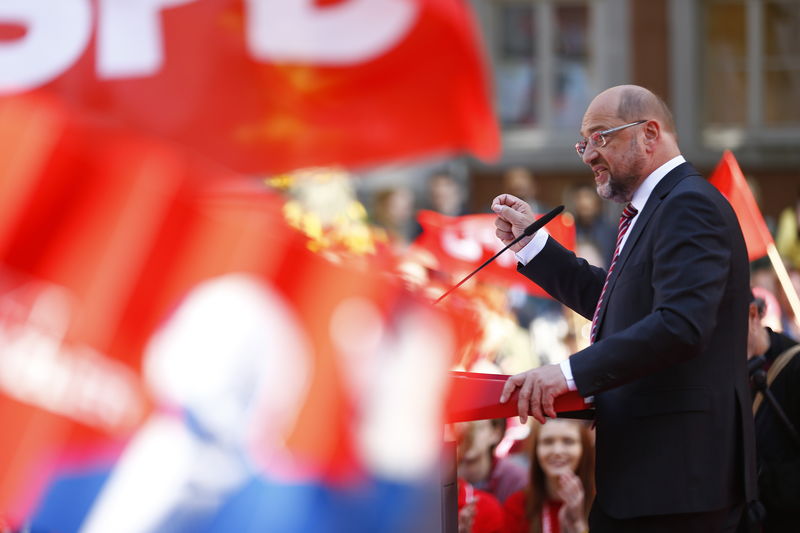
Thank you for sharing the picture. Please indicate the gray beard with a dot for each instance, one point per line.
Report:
(615, 191)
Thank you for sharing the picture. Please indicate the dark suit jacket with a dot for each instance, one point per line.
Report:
(668, 368)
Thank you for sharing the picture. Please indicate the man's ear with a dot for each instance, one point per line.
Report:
(652, 132)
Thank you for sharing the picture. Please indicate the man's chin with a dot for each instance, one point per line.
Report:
(604, 191)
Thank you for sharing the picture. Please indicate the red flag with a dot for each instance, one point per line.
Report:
(461, 244)
(730, 181)
(266, 85)
(99, 237)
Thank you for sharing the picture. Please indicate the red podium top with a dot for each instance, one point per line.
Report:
(476, 396)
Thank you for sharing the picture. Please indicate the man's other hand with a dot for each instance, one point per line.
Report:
(539, 388)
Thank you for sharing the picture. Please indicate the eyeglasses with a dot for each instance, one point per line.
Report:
(600, 138)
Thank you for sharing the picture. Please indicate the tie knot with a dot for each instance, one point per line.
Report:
(629, 211)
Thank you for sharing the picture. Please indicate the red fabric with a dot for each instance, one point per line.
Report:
(514, 508)
(730, 181)
(461, 244)
(423, 92)
(517, 522)
(489, 515)
(101, 235)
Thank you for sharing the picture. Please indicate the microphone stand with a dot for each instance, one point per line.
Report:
(530, 230)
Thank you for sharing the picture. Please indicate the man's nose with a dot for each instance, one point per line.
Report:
(589, 153)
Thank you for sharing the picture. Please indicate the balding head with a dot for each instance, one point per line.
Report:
(632, 102)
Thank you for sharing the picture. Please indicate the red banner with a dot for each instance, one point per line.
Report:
(264, 85)
(730, 181)
(461, 244)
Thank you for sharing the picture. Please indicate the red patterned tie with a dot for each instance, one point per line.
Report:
(624, 223)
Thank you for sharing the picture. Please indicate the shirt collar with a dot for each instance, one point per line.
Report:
(642, 194)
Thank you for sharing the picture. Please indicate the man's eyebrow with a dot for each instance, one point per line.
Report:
(592, 130)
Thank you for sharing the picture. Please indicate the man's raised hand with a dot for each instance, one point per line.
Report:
(513, 216)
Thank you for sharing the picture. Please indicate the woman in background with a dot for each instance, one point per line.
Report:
(561, 486)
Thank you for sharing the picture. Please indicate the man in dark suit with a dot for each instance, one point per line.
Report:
(666, 365)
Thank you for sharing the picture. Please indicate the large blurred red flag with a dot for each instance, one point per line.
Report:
(461, 244)
(730, 181)
(102, 234)
(98, 239)
(264, 85)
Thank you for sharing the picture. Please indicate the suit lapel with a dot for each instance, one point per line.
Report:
(656, 197)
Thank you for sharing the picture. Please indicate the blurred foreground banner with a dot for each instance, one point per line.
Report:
(263, 86)
(173, 358)
(461, 244)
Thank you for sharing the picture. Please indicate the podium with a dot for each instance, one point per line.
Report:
(476, 396)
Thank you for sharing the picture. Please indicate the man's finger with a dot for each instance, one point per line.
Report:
(512, 215)
(505, 199)
(504, 236)
(508, 389)
(523, 402)
(548, 404)
(536, 403)
(502, 225)
(503, 230)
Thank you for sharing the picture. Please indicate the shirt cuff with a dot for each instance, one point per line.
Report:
(535, 246)
(566, 369)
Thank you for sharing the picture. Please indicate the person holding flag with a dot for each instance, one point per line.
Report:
(666, 363)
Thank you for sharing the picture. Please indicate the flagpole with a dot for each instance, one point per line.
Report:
(786, 282)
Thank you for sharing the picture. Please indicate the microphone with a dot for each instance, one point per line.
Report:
(530, 230)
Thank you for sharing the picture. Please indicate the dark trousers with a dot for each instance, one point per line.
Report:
(727, 520)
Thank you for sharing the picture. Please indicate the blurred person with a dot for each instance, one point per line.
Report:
(764, 277)
(393, 210)
(561, 483)
(591, 228)
(479, 465)
(775, 367)
(522, 183)
(771, 315)
(548, 335)
(667, 360)
(504, 345)
(446, 195)
(478, 511)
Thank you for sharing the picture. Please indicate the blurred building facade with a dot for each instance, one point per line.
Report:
(729, 69)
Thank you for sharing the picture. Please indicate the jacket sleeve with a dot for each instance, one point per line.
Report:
(566, 277)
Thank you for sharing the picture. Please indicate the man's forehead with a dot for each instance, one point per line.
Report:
(601, 113)
(597, 121)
